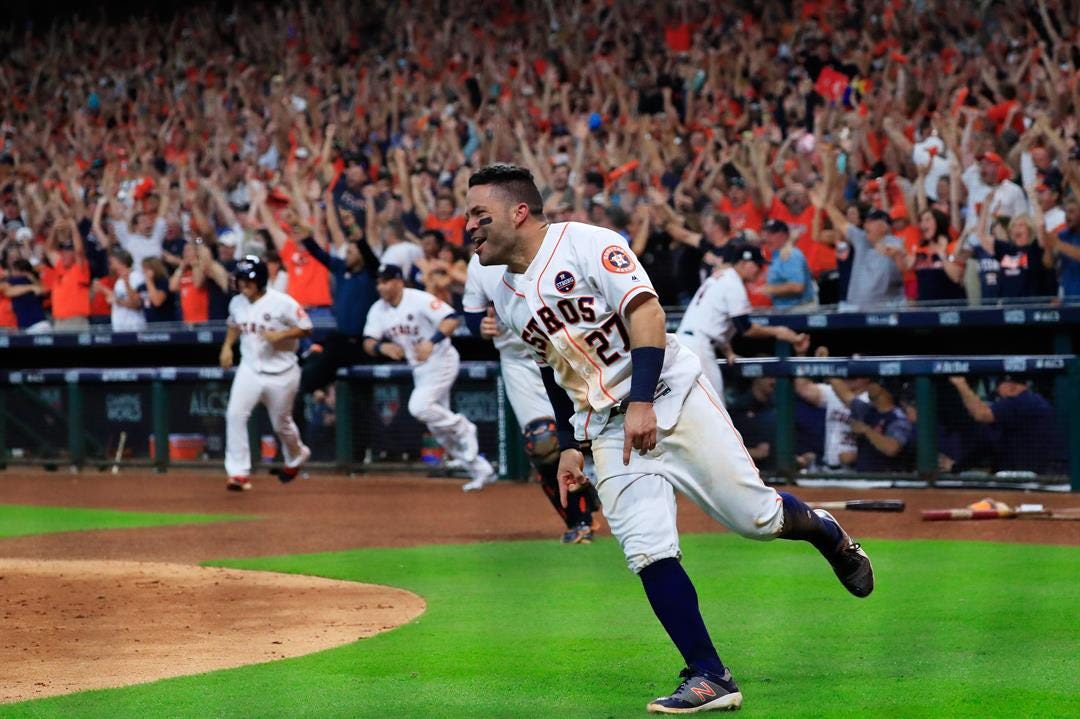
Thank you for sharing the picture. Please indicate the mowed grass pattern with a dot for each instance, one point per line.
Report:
(20, 520)
(538, 630)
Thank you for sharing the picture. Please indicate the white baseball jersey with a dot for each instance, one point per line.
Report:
(838, 435)
(274, 311)
(414, 319)
(720, 298)
(568, 307)
(480, 288)
(520, 373)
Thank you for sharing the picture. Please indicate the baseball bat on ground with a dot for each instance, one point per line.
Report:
(119, 453)
(863, 505)
(1036, 511)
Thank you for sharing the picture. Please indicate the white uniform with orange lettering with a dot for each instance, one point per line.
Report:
(706, 324)
(268, 373)
(569, 308)
(414, 319)
(520, 373)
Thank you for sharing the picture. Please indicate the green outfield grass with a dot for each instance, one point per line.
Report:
(535, 629)
(18, 520)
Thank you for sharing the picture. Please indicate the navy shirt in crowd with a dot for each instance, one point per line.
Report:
(1070, 268)
(27, 308)
(354, 292)
(809, 428)
(1013, 271)
(167, 311)
(933, 284)
(892, 423)
(1028, 434)
(1022, 271)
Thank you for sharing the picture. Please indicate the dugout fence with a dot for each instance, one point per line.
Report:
(176, 417)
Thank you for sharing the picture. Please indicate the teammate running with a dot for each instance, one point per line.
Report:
(411, 325)
(720, 309)
(579, 298)
(269, 324)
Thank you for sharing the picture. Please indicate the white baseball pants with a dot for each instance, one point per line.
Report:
(524, 388)
(276, 392)
(430, 403)
(704, 458)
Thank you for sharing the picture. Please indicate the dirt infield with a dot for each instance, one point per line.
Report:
(43, 589)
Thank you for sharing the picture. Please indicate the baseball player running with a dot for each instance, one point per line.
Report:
(581, 301)
(269, 324)
(416, 326)
(720, 309)
(525, 390)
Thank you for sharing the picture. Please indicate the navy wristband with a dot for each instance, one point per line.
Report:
(567, 440)
(437, 337)
(647, 362)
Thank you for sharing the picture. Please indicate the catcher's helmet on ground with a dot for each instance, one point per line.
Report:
(251, 267)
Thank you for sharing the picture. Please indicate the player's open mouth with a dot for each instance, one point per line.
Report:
(478, 242)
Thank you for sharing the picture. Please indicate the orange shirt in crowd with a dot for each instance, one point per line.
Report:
(999, 113)
(71, 293)
(744, 217)
(453, 229)
(49, 278)
(911, 237)
(194, 301)
(820, 258)
(309, 280)
(99, 303)
(753, 289)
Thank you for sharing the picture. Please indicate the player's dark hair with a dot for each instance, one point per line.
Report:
(516, 182)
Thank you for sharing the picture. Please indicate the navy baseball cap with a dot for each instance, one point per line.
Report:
(745, 252)
(1051, 179)
(877, 214)
(390, 272)
(776, 226)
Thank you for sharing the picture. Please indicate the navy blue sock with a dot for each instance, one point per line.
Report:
(800, 522)
(675, 603)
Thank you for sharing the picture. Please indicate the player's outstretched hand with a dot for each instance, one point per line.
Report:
(226, 357)
(571, 473)
(423, 350)
(489, 326)
(639, 430)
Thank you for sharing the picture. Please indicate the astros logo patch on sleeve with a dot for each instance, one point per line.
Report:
(617, 259)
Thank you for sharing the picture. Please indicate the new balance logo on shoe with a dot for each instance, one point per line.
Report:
(703, 691)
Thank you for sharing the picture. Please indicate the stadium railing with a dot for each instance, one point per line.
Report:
(1036, 312)
(76, 417)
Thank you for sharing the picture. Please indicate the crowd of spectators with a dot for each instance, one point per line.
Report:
(878, 152)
